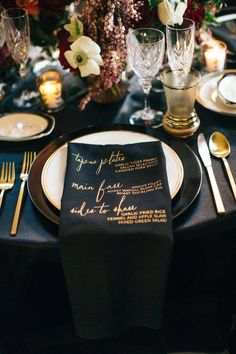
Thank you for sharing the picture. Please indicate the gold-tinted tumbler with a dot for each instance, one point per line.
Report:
(180, 120)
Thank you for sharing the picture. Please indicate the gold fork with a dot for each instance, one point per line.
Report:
(7, 178)
(28, 159)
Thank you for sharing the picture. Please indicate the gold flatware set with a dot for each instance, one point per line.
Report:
(7, 180)
(220, 148)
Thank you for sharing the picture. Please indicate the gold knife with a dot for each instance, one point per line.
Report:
(206, 159)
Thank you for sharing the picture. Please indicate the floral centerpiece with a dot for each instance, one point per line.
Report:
(94, 42)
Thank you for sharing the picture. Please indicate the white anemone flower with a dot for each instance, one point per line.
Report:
(75, 28)
(171, 11)
(85, 55)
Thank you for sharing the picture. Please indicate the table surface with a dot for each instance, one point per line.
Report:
(195, 222)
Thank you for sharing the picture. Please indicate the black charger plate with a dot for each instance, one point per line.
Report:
(187, 194)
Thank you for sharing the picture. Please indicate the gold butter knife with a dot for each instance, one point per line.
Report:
(206, 159)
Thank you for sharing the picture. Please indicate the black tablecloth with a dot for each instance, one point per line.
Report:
(33, 297)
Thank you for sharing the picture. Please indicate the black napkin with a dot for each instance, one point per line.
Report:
(115, 236)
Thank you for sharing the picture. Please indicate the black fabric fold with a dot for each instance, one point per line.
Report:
(116, 236)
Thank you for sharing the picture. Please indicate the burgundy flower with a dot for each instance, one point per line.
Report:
(148, 16)
(64, 45)
(195, 11)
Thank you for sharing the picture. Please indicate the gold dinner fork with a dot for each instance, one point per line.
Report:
(28, 159)
(7, 178)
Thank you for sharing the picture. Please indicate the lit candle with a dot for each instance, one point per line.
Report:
(50, 87)
(215, 55)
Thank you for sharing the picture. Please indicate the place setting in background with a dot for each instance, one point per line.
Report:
(24, 126)
(217, 89)
(214, 93)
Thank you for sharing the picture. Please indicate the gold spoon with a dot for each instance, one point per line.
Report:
(219, 147)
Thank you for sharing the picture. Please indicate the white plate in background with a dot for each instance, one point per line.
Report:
(22, 126)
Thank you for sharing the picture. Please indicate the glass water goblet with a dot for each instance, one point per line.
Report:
(2, 41)
(17, 34)
(180, 41)
(146, 48)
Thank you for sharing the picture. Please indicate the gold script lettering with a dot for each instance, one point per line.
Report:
(120, 209)
(83, 187)
(116, 156)
(83, 210)
(102, 188)
(82, 161)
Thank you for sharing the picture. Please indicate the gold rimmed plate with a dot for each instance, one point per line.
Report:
(23, 126)
(56, 163)
(190, 187)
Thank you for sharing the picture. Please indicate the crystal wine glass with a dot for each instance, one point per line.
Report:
(180, 44)
(2, 34)
(17, 33)
(146, 48)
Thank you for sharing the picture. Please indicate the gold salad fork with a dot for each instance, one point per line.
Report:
(28, 159)
(7, 178)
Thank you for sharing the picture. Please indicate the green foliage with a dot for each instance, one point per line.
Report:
(218, 3)
(44, 28)
(209, 17)
(154, 3)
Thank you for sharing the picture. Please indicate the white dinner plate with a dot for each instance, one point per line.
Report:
(53, 174)
(207, 94)
(25, 126)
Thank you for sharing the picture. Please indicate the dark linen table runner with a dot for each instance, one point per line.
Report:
(115, 236)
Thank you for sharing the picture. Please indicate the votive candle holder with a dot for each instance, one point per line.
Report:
(50, 88)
